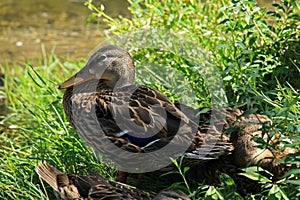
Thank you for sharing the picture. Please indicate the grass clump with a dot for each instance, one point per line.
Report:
(225, 52)
(35, 129)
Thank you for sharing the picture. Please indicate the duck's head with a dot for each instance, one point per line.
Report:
(111, 66)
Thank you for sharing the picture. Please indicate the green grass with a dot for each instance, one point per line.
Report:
(249, 56)
(35, 129)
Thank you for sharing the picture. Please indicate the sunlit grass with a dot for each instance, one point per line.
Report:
(35, 129)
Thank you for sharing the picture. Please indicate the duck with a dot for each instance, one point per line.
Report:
(239, 128)
(135, 126)
(140, 129)
(95, 187)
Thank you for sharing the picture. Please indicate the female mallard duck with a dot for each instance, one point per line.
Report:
(94, 187)
(104, 106)
(240, 129)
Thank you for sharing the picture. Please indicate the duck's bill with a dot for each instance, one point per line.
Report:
(75, 80)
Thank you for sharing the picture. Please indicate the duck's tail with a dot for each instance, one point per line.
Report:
(48, 173)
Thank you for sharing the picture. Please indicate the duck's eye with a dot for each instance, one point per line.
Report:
(102, 58)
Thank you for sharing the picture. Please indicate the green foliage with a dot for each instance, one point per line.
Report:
(252, 48)
(171, 35)
(226, 190)
(261, 48)
(278, 189)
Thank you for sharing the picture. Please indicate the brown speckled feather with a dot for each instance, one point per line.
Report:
(94, 187)
(89, 187)
(141, 113)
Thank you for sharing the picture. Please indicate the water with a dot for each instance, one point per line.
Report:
(27, 24)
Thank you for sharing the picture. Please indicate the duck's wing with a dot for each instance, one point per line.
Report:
(117, 191)
(141, 119)
(171, 194)
(211, 140)
(142, 116)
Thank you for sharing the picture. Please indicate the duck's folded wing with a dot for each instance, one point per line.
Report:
(114, 190)
(137, 113)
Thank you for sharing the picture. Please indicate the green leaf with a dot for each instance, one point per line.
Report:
(274, 14)
(254, 169)
(252, 40)
(249, 26)
(213, 193)
(226, 179)
(291, 172)
(297, 4)
(249, 112)
(279, 7)
(219, 46)
(224, 21)
(294, 182)
(256, 177)
(247, 18)
(278, 193)
(185, 169)
(91, 17)
(255, 9)
(227, 78)
(247, 52)
(204, 110)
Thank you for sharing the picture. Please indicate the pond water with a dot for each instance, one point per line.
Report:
(26, 25)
